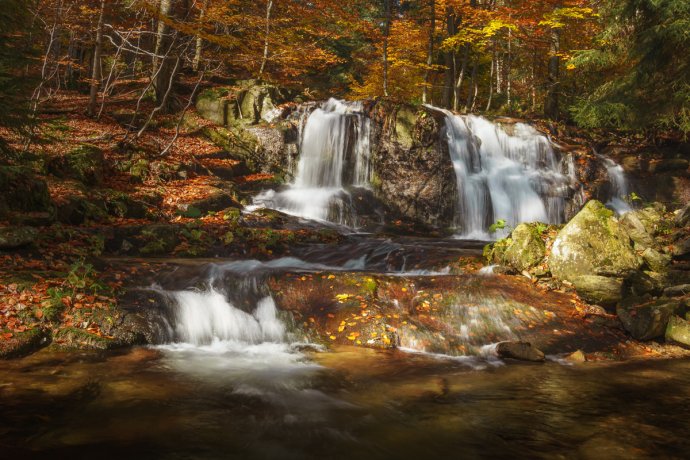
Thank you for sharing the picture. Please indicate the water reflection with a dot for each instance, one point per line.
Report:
(274, 401)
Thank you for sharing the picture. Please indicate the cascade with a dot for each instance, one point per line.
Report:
(512, 175)
(334, 156)
(201, 318)
(515, 177)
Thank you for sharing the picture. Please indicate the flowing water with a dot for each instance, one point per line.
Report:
(334, 157)
(234, 376)
(513, 178)
(504, 172)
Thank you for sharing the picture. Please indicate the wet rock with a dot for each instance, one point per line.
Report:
(23, 343)
(416, 183)
(576, 357)
(85, 164)
(523, 351)
(526, 248)
(17, 237)
(678, 331)
(647, 321)
(593, 242)
(677, 291)
(599, 290)
(656, 260)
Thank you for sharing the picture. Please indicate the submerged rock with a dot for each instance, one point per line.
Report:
(678, 331)
(523, 351)
(593, 242)
(647, 321)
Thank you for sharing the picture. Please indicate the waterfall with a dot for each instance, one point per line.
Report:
(511, 176)
(200, 318)
(619, 186)
(334, 155)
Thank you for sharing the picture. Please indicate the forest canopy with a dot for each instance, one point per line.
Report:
(615, 64)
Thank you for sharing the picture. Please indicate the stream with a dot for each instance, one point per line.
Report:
(375, 347)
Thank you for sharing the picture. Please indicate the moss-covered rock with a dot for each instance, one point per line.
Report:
(212, 104)
(678, 331)
(16, 237)
(656, 260)
(22, 192)
(599, 290)
(23, 343)
(526, 249)
(85, 164)
(636, 230)
(593, 242)
(79, 339)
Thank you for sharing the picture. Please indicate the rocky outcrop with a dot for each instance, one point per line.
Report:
(412, 171)
(593, 242)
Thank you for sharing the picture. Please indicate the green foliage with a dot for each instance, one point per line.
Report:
(500, 224)
(14, 85)
(640, 72)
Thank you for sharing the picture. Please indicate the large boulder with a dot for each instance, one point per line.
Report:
(647, 321)
(212, 104)
(592, 243)
(16, 237)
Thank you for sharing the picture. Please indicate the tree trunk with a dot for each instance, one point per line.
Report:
(458, 85)
(551, 103)
(386, 33)
(449, 57)
(472, 92)
(96, 73)
(269, 7)
(430, 52)
(199, 48)
(164, 74)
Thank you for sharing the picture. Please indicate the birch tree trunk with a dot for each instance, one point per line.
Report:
(96, 73)
(269, 7)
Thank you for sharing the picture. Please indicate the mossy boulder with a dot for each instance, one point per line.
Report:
(158, 239)
(22, 192)
(593, 243)
(85, 164)
(526, 249)
(655, 260)
(75, 210)
(678, 331)
(16, 237)
(600, 290)
(647, 321)
(212, 104)
(214, 200)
